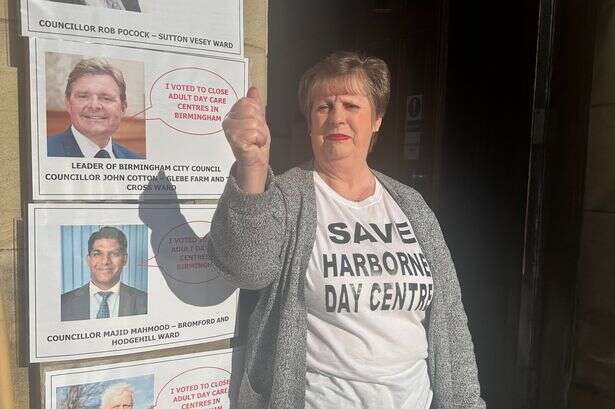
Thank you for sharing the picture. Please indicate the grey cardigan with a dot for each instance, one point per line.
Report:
(264, 242)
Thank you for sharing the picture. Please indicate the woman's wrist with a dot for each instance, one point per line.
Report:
(252, 179)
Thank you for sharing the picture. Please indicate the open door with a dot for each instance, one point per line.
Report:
(560, 126)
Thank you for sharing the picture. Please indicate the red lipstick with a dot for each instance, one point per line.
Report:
(337, 137)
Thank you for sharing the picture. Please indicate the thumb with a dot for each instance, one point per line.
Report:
(253, 94)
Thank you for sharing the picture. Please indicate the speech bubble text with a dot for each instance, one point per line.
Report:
(191, 100)
(203, 387)
(182, 253)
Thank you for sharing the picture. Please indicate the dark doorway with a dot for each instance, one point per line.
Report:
(471, 67)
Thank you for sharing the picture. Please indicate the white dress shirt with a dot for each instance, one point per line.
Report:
(89, 148)
(115, 4)
(96, 299)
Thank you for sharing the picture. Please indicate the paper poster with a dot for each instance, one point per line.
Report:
(201, 380)
(194, 26)
(109, 279)
(118, 123)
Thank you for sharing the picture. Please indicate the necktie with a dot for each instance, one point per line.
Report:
(102, 154)
(113, 4)
(103, 311)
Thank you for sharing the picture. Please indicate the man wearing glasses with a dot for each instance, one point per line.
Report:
(105, 296)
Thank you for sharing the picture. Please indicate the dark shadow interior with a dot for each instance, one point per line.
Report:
(472, 65)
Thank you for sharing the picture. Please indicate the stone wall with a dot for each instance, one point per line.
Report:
(13, 182)
(593, 384)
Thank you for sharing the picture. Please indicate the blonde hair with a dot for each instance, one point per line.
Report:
(371, 74)
(96, 66)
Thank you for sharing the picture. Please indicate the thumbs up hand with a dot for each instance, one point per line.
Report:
(247, 132)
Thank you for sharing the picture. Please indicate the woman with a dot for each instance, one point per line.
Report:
(359, 304)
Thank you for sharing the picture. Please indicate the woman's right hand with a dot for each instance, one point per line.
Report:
(247, 132)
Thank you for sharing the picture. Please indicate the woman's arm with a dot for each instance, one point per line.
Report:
(247, 132)
(247, 230)
(464, 372)
(247, 234)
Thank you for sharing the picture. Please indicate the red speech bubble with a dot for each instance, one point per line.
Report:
(191, 100)
(203, 387)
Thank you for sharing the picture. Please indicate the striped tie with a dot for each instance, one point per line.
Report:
(103, 311)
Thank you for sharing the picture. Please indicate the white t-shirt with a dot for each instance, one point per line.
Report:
(367, 288)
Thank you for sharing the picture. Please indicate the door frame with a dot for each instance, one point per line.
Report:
(560, 128)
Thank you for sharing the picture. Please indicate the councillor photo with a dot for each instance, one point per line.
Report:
(118, 393)
(96, 103)
(105, 295)
(128, 5)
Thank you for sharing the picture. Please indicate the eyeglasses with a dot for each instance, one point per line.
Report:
(100, 255)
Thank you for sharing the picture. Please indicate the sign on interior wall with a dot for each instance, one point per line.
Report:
(195, 26)
(109, 279)
(413, 127)
(201, 380)
(119, 123)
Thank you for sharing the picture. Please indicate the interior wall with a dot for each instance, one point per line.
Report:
(26, 385)
(300, 34)
(593, 383)
(485, 153)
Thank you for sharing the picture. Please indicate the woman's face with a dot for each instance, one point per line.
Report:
(342, 122)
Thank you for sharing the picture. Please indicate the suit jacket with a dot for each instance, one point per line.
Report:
(75, 304)
(64, 145)
(130, 5)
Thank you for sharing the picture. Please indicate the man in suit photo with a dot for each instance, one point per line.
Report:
(95, 100)
(128, 5)
(105, 296)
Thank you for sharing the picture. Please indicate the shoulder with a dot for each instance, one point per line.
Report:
(125, 288)
(421, 216)
(59, 138)
(63, 145)
(132, 5)
(403, 192)
(76, 293)
(296, 187)
(64, 134)
(295, 179)
(124, 153)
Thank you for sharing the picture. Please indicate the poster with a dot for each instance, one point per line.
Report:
(200, 380)
(155, 117)
(109, 279)
(194, 26)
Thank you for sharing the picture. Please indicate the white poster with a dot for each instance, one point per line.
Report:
(109, 279)
(200, 380)
(155, 117)
(195, 26)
